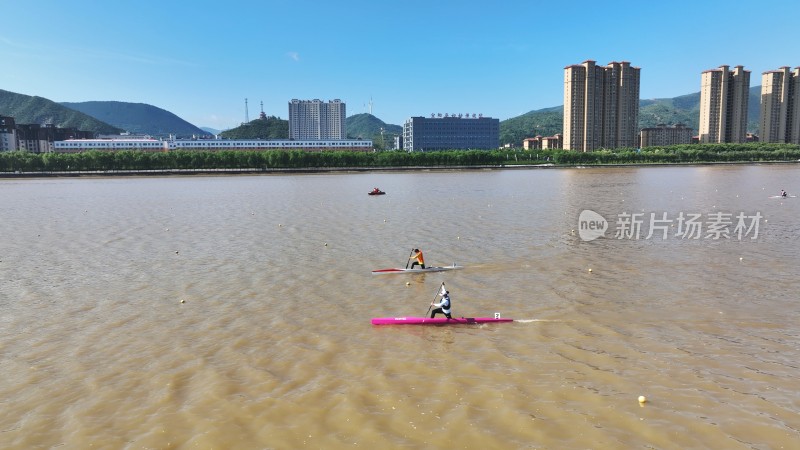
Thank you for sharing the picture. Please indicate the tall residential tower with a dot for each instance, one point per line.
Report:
(723, 105)
(601, 106)
(780, 106)
(315, 119)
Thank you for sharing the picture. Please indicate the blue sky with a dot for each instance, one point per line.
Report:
(201, 59)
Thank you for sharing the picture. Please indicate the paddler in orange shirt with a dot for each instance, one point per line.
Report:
(418, 259)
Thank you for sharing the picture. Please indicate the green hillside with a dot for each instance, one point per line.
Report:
(138, 118)
(268, 128)
(367, 126)
(544, 122)
(37, 110)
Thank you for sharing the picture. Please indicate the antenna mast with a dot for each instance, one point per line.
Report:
(246, 113)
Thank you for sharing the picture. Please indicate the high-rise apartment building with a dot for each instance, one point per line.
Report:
(601, 106)
(315, 119)
(780, 106)
(724, 97)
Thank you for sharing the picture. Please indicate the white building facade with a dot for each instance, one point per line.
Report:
(155, 145)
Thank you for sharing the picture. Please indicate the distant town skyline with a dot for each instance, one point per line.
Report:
(500, 60)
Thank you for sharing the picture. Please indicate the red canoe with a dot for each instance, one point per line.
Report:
(435, 320)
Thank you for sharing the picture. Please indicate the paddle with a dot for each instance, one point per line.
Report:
(434, 298)
(409, 258)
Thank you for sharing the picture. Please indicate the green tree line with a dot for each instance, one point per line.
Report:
(132, 160)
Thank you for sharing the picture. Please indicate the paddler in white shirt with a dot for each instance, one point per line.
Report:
(443, 306)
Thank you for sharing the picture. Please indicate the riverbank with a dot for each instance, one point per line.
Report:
(310, 170)
(179, 162)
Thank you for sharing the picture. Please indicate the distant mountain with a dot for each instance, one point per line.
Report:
(26, 109)
(138, 118)
(211, 130)
(670, 111)
(268, 128)
(684, 109)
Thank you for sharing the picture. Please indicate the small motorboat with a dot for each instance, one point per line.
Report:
(376, 191)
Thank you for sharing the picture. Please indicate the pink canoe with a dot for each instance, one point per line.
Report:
(435, 321)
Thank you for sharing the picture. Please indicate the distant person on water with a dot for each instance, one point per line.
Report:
(418, 259)
(783, 193)
(443, 306)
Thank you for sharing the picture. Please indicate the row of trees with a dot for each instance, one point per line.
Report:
(693, 153)
(280, 159)
(259, 160)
